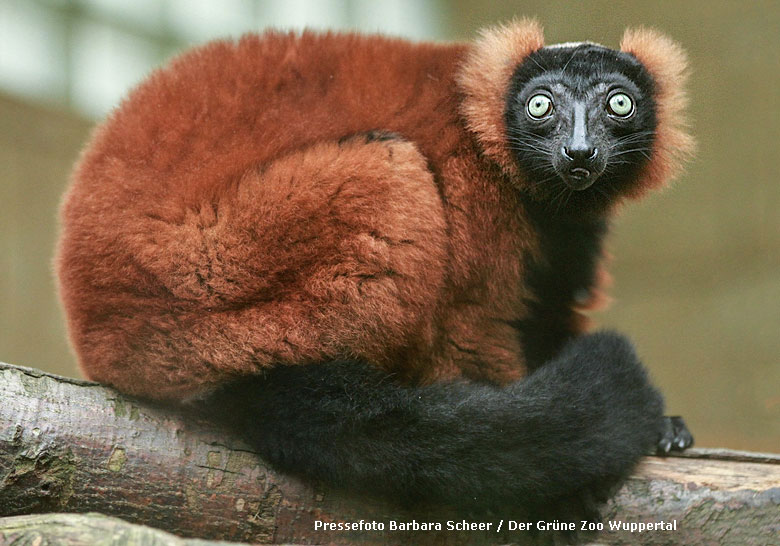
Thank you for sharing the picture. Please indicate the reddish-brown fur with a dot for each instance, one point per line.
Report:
(232, 214)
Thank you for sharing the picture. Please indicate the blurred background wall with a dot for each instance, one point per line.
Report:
(697, 268)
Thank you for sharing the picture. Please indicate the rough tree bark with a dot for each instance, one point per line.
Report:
(73, 446)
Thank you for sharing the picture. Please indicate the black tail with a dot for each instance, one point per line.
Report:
(571, 430)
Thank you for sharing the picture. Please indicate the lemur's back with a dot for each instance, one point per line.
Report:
(227, 106)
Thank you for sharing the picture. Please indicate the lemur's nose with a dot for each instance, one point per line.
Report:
(580, 152)
(579, 149)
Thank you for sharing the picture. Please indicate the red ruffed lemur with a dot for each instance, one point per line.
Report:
(369, 257)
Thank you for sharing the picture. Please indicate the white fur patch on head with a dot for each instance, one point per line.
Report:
(573, 44)
(484, 79)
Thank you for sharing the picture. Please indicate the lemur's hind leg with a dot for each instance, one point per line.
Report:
(334, 251)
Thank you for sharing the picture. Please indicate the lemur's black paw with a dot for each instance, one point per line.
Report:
(675, 436)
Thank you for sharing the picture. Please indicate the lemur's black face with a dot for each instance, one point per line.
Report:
(580, 121)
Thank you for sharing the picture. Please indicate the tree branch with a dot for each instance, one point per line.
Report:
(73, 446)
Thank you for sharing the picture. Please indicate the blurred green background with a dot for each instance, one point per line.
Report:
(697, 268)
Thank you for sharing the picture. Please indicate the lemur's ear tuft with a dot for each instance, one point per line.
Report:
(484, 79)
(667, 63)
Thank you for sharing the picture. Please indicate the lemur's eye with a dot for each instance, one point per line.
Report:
(620, 105)
(539, 106)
